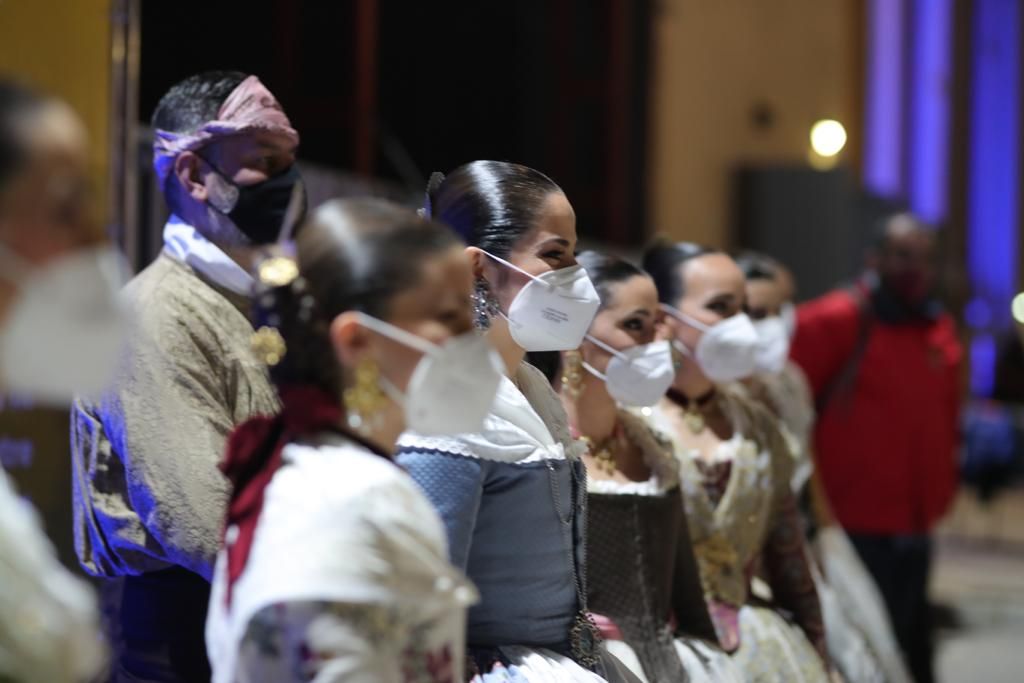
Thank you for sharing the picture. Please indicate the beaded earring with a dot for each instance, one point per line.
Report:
(485, 305)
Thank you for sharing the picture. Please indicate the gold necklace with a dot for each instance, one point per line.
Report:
(693, 409)
(603, 453)
(695, 422)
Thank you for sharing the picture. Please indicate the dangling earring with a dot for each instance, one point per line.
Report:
(365, 399)
(572, 374)
(485, 306)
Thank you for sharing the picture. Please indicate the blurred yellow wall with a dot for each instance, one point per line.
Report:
(63, 47)
(713, 60)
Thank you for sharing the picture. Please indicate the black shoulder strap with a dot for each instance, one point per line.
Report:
(842, 382)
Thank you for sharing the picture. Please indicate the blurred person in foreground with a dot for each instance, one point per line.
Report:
(60, 332)
(149, 498)
(884, 361)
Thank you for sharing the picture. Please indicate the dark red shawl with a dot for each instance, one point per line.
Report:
(254, 456)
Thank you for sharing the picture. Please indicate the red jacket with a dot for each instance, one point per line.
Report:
(887, 445)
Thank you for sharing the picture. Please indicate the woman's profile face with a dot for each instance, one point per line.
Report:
(627, 320)
(46, 209)
(550, 244)
(714, 289)
(765, 298)
(436, 308)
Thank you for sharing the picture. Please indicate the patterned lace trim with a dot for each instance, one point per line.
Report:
(492, 452)
(651, 487)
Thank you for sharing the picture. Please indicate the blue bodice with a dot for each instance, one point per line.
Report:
(516, 543)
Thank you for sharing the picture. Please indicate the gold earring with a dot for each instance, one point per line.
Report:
(572, 374)
(365, 399)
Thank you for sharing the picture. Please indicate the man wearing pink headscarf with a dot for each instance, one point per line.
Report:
(149, 498)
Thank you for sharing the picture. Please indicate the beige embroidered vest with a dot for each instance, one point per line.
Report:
(729, 536)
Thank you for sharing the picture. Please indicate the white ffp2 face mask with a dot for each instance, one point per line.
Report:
(453, 386)
(66, 327)
(639, 376)
(727, 351)
(772, 344)
(553, 311)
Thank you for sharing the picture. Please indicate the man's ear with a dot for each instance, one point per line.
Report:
(187, 169)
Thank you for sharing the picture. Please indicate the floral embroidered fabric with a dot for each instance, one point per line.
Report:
(741, 511)
(313, 641)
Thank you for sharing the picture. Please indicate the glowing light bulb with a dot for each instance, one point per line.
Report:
(828, 137)
(1017, 308)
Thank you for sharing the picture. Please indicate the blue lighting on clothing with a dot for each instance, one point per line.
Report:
(993, 170)
(883, 110)
(928, 130)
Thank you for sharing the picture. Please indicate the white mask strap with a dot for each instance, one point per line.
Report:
(681, 348)
(685, 319)
(397, 333)
(593, 371)
(601, 345)
(508, 264)
(391, 390)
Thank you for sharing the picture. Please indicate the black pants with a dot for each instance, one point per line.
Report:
(901, 566)
(160, 634)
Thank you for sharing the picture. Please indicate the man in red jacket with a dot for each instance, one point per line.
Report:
(884, 362)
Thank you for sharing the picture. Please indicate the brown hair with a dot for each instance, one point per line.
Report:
(352, 255)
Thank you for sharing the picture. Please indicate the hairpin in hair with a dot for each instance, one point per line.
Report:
(278, 271)
(436, 178)
(268, 345)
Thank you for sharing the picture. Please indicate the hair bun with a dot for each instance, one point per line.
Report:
(658, 253)
(436, 178)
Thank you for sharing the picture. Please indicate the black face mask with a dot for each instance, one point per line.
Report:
(260, 209)
(891, 308)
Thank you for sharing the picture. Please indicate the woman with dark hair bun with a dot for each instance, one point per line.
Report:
(512, 494)
(643, 583)
(736, 469)
(335, 565)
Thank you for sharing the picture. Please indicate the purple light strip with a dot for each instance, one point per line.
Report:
(930, 83)
(883, 111)
(993, 167)
(982, 353)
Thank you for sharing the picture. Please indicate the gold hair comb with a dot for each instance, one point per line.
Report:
(278, 271)
(268, 345)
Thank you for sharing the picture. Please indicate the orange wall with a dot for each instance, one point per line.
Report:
(713, 60)
(63, 47)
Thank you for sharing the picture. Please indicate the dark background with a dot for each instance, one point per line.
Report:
(396, 90)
